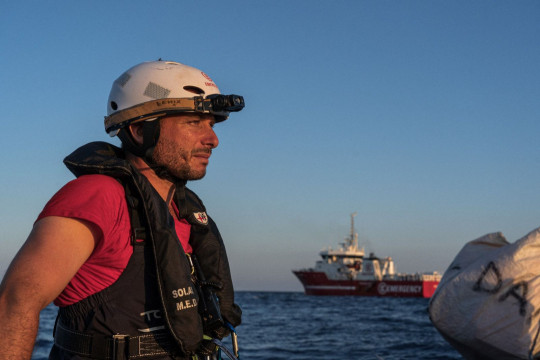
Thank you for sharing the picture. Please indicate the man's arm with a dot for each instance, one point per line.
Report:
(53, 253)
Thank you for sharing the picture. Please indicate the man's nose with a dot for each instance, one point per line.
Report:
(210, 137)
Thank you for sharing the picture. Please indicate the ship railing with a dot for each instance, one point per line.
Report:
(414, 277)
(405, 277)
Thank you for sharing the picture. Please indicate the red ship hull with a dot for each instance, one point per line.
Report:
(317, 283)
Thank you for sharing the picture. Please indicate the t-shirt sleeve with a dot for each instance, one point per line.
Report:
(98, 199)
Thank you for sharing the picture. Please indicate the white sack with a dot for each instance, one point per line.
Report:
(487, 304)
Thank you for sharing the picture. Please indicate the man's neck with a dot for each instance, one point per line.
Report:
(165, 188)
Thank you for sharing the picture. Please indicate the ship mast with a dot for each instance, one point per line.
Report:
(353, 236)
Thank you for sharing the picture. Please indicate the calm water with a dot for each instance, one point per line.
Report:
(293, 326)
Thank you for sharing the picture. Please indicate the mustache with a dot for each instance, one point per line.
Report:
(202, 151)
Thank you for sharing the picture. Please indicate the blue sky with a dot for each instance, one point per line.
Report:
(422, 116)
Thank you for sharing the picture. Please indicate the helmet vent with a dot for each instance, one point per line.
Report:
(194, 89)
(123, 79)
(114, 105)
(155, 91)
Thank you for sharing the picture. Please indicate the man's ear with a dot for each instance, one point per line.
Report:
(136, 132)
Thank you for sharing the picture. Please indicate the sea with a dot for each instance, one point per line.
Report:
(295, 326)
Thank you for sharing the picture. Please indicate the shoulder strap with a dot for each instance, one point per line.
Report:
(138, 221)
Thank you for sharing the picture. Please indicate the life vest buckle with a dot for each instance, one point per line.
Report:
(120, 345)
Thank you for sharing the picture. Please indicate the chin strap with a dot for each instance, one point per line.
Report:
(151, 131)
(145, 150)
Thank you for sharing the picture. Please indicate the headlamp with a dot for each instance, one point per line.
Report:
(225, 103)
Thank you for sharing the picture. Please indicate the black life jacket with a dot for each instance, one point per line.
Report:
(154, 301)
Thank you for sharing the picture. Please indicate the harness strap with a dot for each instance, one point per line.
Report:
(138, 225)
(116, 347)
(224, 349)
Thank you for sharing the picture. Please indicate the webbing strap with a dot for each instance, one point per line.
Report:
(116, 347)
(138, 227)
(223, 348)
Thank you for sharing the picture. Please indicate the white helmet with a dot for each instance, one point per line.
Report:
(153, 89)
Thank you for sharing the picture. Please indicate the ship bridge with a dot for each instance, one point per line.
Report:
(336, 255)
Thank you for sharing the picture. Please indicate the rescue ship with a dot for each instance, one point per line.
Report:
(347, 271)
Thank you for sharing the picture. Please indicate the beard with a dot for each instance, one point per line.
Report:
(171, 161)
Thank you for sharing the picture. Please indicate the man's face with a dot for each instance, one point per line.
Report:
(185, 145)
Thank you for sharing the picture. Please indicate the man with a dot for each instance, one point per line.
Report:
(126, 251)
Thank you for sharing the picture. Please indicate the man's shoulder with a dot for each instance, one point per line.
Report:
(97, 181)
(92, 188)
(89, 197)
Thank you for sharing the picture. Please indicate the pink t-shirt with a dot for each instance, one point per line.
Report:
(100, 200)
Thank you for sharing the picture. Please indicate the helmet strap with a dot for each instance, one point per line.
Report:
(150, 138)
(151, 131)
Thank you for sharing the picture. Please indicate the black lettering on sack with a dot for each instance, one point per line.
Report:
(519, 291)
(483, 285)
